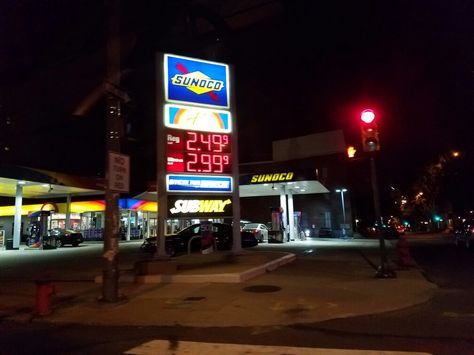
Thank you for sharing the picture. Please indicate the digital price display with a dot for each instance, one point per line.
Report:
(198, 152)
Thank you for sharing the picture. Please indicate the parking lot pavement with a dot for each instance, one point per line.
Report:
(319, 284)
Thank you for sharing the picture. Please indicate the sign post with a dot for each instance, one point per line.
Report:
(119, 172)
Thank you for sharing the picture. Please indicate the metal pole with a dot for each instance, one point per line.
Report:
(68, 212)
(383, 271)
(343, 213)
(236, 235)
(17, 218)
(162, 198)
(110, 272)
(343, 207)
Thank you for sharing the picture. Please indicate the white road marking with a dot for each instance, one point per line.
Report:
(166, 347)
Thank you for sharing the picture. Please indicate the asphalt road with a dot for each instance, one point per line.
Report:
(442, 326)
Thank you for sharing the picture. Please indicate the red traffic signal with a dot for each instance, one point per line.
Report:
(367, 116)
(369, 131)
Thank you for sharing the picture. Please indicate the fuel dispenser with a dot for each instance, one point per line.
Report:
(38, 230)
(207, 237)
(275, 234)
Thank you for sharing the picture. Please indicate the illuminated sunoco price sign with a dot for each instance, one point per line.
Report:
(197, 133)
(196, 81)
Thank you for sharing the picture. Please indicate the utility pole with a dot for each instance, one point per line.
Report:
(114, 123)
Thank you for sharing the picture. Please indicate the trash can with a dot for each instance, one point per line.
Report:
(49, 242)
(275, 237)
(9, 244)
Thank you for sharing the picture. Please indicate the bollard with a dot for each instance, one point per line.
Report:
(404, 257)
(44, 290)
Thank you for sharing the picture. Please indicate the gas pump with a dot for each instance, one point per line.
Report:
(38, 229)
(207, 237)
(275, 234)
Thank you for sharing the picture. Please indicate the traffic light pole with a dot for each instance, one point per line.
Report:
(383, 271)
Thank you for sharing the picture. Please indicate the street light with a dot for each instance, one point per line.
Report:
(341, 191)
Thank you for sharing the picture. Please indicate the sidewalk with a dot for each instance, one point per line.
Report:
(280, 290)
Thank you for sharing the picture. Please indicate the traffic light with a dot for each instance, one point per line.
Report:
(369, 131)
(351, 151)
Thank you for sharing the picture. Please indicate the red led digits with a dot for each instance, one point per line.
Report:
(201, 152)
(191, 140)
(190, 162)
(207, 163)
(207, 142)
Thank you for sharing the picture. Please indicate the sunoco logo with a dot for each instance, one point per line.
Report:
(272, 177)
(197, 82)
(202, 206)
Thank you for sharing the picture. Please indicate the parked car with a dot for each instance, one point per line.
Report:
(400, 229)
(325, 232)
(175, 243)
(66, 236)
(259, 230)
(463, 233)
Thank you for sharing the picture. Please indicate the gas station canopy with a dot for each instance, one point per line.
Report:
(298, 182)
(45, 184)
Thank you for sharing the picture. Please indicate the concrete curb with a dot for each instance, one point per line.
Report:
(236, 277)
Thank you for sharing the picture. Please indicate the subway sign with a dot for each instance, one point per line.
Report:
(199, 207)
(196, 81)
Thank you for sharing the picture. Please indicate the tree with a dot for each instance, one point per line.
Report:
(423, 203)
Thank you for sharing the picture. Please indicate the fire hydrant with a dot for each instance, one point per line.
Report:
(44, 291)
(404, 257)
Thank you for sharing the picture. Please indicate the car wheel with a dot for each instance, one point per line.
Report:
(75, 244)
(59, 243)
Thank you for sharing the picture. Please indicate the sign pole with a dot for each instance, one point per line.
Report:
(161, 162)
(236, 235)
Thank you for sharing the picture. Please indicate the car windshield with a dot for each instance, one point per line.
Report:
(57, 231)
(251, 225)
(191, 230)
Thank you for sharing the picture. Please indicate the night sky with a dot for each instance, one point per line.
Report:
(301, 68)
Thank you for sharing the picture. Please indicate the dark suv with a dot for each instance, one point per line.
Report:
(178, 242)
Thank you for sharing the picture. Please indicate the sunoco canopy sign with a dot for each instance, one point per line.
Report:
(281, 176)
(195, 81)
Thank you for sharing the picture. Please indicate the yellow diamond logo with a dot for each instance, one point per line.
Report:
(197, 82)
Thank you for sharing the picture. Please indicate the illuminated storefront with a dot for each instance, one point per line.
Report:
(137, 218)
